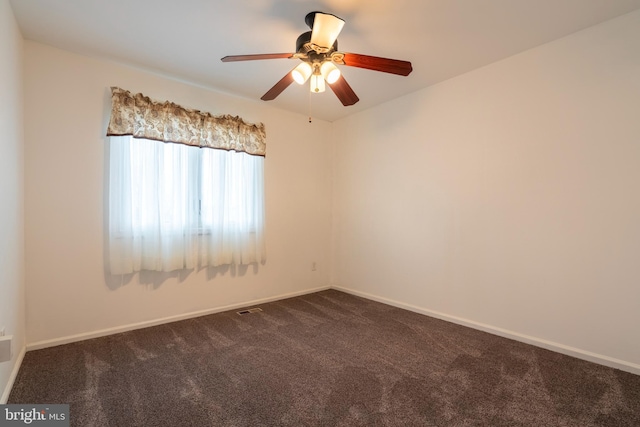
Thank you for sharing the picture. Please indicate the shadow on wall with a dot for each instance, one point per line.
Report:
(155, 279)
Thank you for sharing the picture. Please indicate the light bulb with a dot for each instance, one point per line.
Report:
(317, 83)
(326, 28)
(301, 73)
(330, 72)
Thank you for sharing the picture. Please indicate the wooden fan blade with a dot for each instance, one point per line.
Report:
(343, 91)
(386, 65)
(233, 58)
(278, 88)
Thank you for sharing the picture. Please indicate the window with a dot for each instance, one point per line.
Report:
(173, 206)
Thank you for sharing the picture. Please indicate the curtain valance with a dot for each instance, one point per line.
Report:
(140, 117)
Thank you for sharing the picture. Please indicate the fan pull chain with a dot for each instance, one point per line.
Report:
(309, 106)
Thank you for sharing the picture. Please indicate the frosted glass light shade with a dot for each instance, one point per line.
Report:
(330, 72)
(301, 73)
(317, 83)
(325, 30)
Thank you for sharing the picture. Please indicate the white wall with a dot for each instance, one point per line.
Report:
(67, 105)
(506, 197)
(12, 314)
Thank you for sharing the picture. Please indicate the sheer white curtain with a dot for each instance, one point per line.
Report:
(173, 206)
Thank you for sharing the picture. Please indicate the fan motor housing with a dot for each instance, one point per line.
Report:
(303, 43)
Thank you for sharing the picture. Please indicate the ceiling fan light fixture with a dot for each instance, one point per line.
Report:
(330, 72)
(318, 51)
(301, 73)
(325, 31)
(317, 83)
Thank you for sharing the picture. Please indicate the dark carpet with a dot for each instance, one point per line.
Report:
(325, 359)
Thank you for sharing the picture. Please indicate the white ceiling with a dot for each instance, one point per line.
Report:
(185, 39)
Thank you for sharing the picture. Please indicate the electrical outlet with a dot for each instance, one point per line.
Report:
(2, 331)
(313, 266)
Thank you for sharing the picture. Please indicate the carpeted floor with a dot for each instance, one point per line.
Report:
(325, 359)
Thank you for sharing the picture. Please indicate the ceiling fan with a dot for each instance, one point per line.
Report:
(318, 51)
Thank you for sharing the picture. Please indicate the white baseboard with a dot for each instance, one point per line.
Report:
(538, 342)
(124, 328)
(12, 377)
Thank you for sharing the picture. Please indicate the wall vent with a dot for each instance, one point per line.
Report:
(251, 310)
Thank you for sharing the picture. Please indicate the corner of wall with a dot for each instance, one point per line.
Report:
(12, 268)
